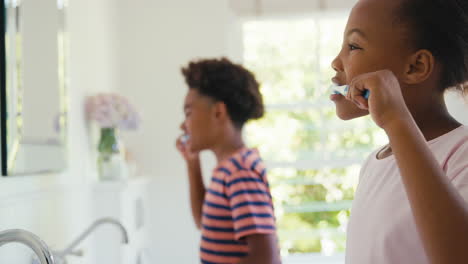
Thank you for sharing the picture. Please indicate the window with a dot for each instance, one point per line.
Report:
(313, 157)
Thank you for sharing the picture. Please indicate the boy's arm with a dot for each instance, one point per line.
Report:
(440, 212)
(263, 249)
(197, 187)
(197, 190)
(251, 204)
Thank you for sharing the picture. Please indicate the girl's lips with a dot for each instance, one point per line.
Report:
(336, 97)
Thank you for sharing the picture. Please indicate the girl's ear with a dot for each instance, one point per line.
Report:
(419, 68)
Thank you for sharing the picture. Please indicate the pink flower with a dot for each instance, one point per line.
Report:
(112, 111)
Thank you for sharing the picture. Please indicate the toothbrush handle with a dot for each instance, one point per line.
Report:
(366, 94)
(345, 89)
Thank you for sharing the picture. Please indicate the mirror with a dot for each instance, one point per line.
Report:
(34, 101)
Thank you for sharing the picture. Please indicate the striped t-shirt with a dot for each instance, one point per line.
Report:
(237, 204)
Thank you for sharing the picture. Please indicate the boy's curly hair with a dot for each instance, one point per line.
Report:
(229, 83)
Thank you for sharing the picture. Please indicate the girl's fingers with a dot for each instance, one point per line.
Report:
(362, 77)
(356, 94)
(361, 102)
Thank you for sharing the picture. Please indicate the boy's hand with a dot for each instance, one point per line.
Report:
(385, 103)
(184, 149)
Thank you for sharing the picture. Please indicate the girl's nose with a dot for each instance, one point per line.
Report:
(337, 65)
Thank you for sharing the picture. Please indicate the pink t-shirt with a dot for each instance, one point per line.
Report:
(382, 229)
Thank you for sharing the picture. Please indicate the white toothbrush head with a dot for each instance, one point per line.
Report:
(343, 90)
(340, 89)
(184, 138)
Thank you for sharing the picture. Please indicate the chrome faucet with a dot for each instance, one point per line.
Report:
(29, 239)
(69, 250)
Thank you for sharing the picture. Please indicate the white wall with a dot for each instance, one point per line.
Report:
(155, 39)
(265, 8)
(458, 106)
(56, 207)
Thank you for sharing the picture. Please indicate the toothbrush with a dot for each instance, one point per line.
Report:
(184, 138)
(343, 90)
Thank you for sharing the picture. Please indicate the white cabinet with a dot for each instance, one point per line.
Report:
(125, 201)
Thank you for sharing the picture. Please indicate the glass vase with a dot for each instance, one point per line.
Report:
(110, 160)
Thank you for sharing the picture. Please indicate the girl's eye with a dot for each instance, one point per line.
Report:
(353, 47)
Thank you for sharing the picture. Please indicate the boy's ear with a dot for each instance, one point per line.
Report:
(419, 68)
(220, 111)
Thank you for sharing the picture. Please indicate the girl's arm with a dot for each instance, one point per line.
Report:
(441, 214)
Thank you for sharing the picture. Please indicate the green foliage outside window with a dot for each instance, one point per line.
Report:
(313, 157)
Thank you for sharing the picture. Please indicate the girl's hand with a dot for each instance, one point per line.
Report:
(385, 103)
(184, 149)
